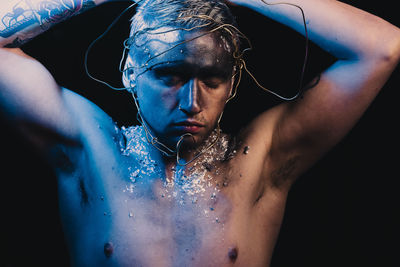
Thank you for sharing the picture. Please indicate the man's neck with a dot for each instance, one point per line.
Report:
(194, 171)
(142, 142)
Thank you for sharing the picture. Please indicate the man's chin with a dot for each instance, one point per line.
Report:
(186, 141)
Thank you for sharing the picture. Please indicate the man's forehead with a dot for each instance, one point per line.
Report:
(164, 35)
(194, 47)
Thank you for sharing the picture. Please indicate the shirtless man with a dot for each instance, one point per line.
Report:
(175, 191)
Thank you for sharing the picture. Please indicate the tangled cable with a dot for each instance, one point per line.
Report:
(239, 66)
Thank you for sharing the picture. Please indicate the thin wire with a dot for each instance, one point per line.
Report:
(303, 69)
(178, 145)
(96, 40)
(240, 64)
(154, 140)
(236, 55)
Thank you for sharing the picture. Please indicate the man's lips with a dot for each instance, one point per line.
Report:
(189, 123)
(189, 126)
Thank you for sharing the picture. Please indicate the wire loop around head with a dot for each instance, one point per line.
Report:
(240, 65)
(238, 55)
(100, 37)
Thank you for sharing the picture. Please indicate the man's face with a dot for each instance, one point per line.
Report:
(185, 89)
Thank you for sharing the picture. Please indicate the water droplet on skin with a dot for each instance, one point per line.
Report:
(129, 188)
(217, 220)
(186, 184)
(181, 51)
(101, 198)
(246, 150)
(130, 214)
(134, 175)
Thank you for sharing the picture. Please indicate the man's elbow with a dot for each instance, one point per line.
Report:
(390, 48)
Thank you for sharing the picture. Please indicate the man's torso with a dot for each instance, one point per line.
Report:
(122, 206)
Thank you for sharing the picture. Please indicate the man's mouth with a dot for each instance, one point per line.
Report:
(189, 126)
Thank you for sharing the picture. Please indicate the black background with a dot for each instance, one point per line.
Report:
(342, 212)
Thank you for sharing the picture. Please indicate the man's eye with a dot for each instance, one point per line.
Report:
(212, 82)
(171, 80)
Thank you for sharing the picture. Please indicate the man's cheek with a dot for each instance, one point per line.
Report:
(168, 99)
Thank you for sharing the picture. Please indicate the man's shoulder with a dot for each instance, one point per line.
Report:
(89, 116)
(98, 134)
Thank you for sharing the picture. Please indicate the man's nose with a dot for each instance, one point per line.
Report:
(189, 98)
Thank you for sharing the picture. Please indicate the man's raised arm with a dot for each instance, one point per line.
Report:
(22, 20)
(367, 49)
(29, 95)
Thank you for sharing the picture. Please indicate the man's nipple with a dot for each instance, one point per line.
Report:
(233, 254)
(108, 249)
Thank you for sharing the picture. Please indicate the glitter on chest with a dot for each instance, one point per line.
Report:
(187, 184)
(137, 146)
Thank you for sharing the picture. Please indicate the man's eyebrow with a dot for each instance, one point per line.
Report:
(168, 66)
(217, 71)
(189, 69)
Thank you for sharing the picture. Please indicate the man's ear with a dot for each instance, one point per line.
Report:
(128, 75)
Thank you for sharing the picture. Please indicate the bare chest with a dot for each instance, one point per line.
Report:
(152, 222)
(174, 227)
(130, 210)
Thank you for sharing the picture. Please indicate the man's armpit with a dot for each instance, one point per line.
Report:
(284, 174)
